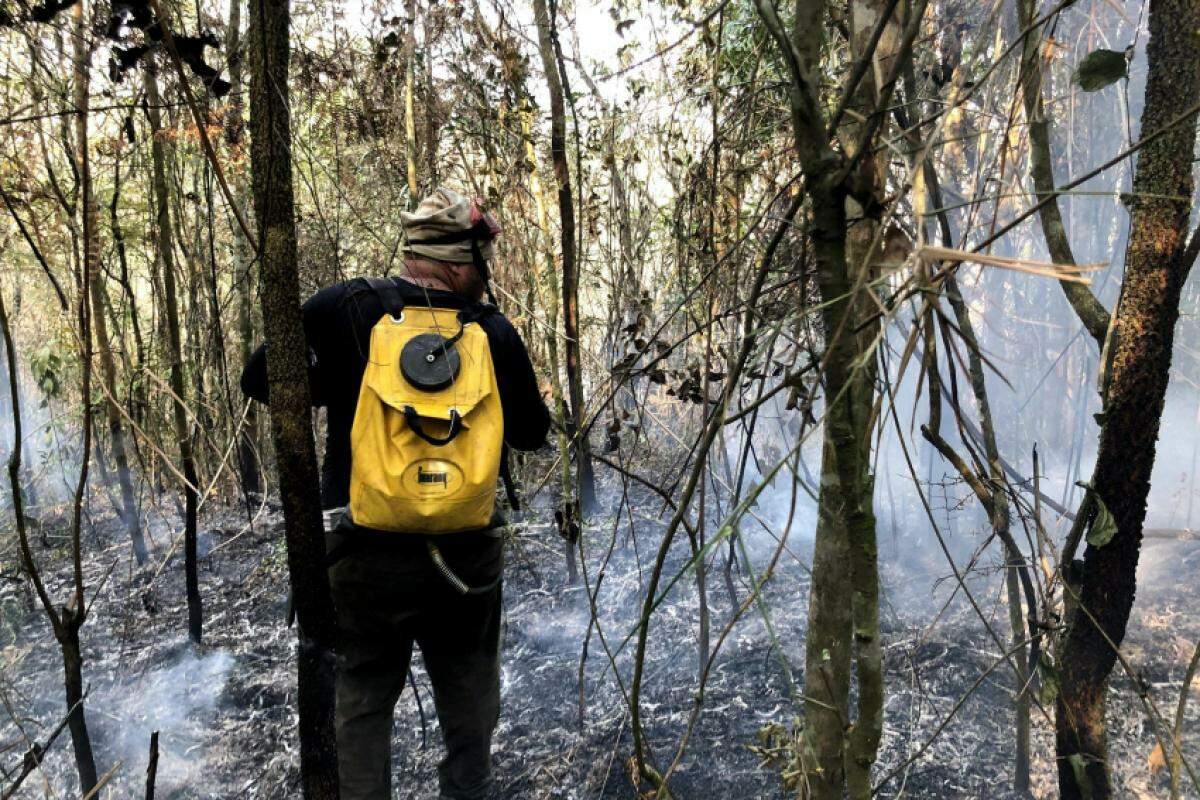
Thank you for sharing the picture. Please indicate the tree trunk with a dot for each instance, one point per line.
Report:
(67, 624)
(584, 478)
(248, 446)
(1139, 358)
(410, 123)
(1041, 167)
(826, 643)
(81, 740)
(565, 513)
(997, 504)
(287, 375)
(166, 260)
(129, 509)
(843, 186)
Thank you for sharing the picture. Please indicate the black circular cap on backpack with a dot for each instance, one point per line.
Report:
(429, 362)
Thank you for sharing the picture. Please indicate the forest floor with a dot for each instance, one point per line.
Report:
(227, 714)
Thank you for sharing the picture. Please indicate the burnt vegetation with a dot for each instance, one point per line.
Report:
(868, 329)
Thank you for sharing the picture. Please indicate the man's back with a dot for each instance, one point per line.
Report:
(338, 322)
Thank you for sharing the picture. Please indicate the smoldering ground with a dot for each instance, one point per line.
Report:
(227, 711)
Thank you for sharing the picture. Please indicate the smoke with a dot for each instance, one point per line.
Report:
(49, 435)
(180, 702)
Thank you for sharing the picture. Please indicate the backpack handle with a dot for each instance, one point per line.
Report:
(414, 422)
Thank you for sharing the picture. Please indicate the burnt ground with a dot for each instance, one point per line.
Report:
(226, 710)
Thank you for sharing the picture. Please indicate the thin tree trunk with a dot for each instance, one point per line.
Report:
(248, 444)
(1001, 519)
(584, 477)
(410, 123)
(81, 740)
(116, 431)
(74, 612)
(137, 399)
(843, 184)
(1041, 167)
(857, 502)
(826, 643)
(566, 511)
(166, 260)
(287, 375)
(1157, 263)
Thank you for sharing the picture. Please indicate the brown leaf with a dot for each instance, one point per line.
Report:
(1157, 762)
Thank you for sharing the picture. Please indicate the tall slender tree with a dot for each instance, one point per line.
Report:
(67, 620)
(844, 182)
(585, 485)
(248, 445)
(165, 258)
(287, 381)
(116, 428)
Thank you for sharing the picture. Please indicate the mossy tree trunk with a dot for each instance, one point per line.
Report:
(1157, 262)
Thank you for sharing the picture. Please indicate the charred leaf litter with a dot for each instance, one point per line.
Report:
(227, 716)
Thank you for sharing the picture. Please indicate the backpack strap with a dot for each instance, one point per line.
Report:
(389, 295)
(475, 313)
(510, 486)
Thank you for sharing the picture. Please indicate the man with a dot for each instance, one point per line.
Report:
(394, 587)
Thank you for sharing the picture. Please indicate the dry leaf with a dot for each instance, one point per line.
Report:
(1157, 762)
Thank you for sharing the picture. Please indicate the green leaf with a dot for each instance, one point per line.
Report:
(1100, 68)
(1079, 767)
(1049, 689)
(1104, 527)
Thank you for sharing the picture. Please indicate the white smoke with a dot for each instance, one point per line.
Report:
(179, 701)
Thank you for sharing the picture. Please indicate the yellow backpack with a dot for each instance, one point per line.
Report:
(428, 429)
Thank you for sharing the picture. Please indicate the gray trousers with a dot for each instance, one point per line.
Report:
(389, 596)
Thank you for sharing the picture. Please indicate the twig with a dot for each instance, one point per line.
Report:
(1175, 761)
(105, 778)
(152, 766)
(1047, 269)
(35, 753)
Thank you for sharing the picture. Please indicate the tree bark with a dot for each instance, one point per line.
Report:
(843, 184)
(287, 376)
(166, 260)
(1157, 263)
(248, 441)
(565, 513)
(68, 622)
(584, 478)
(116, 431)
(81, 741)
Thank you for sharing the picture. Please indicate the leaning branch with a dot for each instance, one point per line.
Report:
(1087, 307)
(37, 752)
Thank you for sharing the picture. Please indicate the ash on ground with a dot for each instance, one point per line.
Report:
(226, 710)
